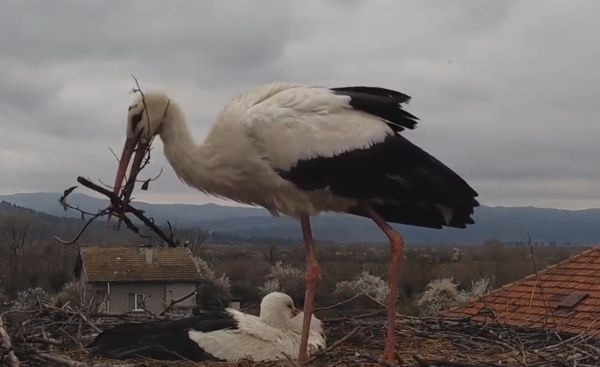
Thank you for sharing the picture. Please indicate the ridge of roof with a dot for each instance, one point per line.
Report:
(138, 264)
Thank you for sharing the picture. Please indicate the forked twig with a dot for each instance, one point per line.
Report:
(82, 230)
(334, 345)
(176, 301)
(120, 208)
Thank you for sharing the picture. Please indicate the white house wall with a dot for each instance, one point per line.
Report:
(158, 295)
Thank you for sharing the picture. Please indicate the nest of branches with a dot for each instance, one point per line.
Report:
(58, 336)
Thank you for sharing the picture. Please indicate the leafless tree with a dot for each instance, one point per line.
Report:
(17, 234)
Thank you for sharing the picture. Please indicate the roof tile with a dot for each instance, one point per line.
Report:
(131, 264)
(532, 302)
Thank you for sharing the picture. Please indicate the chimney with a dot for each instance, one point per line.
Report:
(149, 252)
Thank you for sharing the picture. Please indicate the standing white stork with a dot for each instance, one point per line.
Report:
(301, 150)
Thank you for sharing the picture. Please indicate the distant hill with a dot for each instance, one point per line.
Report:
(181, 214)
(45, 226)
(510, 224)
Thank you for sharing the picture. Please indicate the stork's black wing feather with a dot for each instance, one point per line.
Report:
(399, 180)
(381, 102)
(162, 340)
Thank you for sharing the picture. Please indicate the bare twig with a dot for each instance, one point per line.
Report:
(334, 345)
(120, 208)
(357, 317)
(84, 318)
(540, 285)
(291, 361)
(176, 301)
(80, 233)
(343, 302)
(64, 361)
(444, 363)
(60, 360)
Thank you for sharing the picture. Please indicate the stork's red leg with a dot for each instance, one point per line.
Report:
(312, 274)
(397, 246)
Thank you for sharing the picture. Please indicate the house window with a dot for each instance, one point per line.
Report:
(137, 301)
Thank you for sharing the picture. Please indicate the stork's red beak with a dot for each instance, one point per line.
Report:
(132, 144)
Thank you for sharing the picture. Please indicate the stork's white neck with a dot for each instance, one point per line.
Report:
(191, 162)
(276, 320)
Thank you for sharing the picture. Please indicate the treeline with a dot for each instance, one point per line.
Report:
(248, 267)
(30, 257)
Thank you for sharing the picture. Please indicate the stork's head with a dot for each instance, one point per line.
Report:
(277, 309)
(145, 118)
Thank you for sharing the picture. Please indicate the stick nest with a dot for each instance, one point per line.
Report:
(58, 336)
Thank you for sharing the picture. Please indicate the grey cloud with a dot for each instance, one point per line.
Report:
(506, 90)
(191, 38)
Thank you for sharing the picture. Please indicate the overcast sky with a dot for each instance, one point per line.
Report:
(508, 92)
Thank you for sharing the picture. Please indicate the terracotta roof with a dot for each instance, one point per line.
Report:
(131, 264)
(564, 297)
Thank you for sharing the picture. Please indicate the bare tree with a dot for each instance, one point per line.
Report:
(17, 234)
(270, 254)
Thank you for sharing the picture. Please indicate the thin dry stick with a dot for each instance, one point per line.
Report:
(539, 284)
(80, 233)
(290, 360)
(118, 203)
(84, 318)
(62, 360)
(176, 301)
(339, 303)
(334, 345)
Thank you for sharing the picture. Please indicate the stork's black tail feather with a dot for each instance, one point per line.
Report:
(160, 340)
(419, 190)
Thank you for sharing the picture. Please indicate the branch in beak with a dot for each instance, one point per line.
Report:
(133, 144)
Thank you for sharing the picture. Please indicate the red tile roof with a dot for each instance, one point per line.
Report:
(130, 264)
(564, 297)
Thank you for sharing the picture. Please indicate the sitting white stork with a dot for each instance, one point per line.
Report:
(300, 150)
(227, 335)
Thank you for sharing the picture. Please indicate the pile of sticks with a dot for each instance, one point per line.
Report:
(58, 336)
(49, 335)
(433, 341)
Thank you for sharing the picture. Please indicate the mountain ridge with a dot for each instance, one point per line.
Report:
(503, 223)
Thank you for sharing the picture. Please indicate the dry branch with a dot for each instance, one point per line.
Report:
(118, 208)
(334, 345)
(176, 301)
(120, 202)
(122, 208)
(342, 302)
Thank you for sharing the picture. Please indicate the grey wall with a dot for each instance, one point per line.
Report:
(158, 295)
